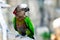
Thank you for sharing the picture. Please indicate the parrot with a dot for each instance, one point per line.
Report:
(28, 30)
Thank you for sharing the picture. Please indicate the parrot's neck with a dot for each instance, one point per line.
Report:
(21, 17)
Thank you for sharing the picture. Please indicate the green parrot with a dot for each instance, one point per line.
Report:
(30, 27)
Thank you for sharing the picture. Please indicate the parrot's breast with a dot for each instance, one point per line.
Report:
(21, 26)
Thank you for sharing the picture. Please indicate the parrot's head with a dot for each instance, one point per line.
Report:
(20, 10)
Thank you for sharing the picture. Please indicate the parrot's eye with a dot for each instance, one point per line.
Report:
(26, 9)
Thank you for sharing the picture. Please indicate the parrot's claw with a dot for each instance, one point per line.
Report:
(17, 35)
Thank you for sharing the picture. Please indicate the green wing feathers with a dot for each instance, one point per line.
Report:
(29, 26)
(14, 23)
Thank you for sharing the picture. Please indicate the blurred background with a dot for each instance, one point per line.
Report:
(42, 13)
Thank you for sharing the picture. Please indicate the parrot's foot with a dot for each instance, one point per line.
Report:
(20, 36)
(17, 36)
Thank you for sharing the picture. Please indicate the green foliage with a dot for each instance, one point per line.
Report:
(46, 35)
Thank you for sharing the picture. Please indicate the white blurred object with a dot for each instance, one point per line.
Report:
(56, 23)
(3, 4)
(4, 25)
(2, 1)
(2, 20)
(23, 6)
